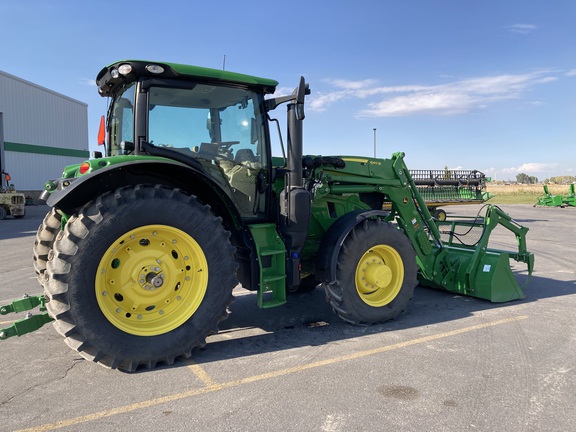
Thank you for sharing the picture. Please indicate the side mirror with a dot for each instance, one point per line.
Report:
(298, 95)
(302, 90)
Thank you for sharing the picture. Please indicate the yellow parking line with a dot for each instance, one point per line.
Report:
(216, 387)
(202, 375)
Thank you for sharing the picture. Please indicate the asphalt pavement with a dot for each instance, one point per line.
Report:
(449, 363)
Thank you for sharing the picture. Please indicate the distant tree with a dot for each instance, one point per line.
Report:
(526, 179)
(562, 179)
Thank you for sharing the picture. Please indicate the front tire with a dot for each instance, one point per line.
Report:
(140, 276)
(376, 274)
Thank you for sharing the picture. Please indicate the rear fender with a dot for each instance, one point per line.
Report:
(333, 240)
(70, 197)
(192, 181)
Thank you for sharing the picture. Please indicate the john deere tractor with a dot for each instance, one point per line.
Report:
(142, 248)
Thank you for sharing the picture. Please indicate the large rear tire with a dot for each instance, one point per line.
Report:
(375, 276)
(139, 277)
(45, 237)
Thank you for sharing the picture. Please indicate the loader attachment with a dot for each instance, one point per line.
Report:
(454, 255)
(468, 266)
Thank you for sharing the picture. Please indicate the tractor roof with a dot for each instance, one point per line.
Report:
(118, 73)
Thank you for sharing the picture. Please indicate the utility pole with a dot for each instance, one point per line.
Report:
(374, 142)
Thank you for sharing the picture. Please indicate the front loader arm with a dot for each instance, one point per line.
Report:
(496, 216)
(471, 269)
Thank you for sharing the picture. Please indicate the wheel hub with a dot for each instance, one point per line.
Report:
(379, 275)
(151, 280)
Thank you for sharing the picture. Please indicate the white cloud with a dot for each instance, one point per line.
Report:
(536, 169)
(352, 85)
(531, 168)
(420, 103)
(87, 82)
(452, 98)
(521, 28)
(320, 102)
(571, 73)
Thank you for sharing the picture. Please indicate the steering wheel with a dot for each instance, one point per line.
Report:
(221, 149)
(225, 145)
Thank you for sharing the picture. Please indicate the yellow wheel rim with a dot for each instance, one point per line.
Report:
(151, 280)
(379, 275)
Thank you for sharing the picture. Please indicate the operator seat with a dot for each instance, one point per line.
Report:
(245, 155)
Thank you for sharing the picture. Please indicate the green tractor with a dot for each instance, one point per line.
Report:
(142, 248)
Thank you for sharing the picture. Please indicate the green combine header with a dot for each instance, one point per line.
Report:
(549, 200)
(440, 188)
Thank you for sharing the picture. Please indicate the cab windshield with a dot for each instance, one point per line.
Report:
(223, 128)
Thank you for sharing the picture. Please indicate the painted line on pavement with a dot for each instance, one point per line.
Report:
(265, 376)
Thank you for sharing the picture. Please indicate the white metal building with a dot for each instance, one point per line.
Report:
(41, 132)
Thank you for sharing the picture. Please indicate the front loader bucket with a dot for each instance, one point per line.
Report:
(495, 281)
(490, 278)
(467, 266)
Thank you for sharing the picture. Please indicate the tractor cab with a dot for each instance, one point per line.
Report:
(218, 128)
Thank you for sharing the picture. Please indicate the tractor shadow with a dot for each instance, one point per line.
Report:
(308, 320)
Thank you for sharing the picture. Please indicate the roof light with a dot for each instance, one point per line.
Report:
(155, 69)
(124, 69)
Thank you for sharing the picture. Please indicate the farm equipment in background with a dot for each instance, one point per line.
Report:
(142, 248)
(12, 203)
(549, 200)
(450, 187)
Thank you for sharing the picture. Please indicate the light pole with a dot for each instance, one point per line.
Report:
(374, 142)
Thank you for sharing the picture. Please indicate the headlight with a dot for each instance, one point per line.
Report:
(124, 69)
(155, 69)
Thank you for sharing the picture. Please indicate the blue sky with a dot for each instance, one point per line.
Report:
(487, 85)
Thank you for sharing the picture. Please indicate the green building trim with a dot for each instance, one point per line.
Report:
(36, 149)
